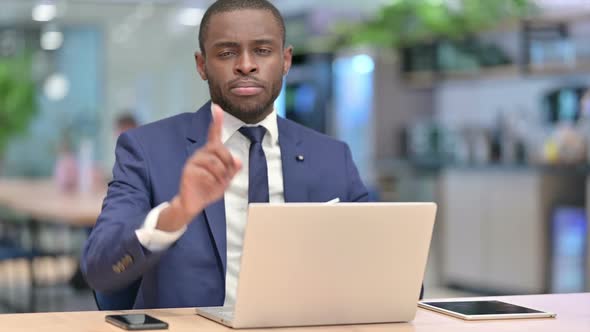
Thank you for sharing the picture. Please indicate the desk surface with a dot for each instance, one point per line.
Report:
(573, 315)
(41, 199)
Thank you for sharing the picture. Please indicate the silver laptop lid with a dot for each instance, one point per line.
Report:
(345, 263)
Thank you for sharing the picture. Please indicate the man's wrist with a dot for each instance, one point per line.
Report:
(174, 217)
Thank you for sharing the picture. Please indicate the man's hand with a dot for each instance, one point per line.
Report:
(206, 176)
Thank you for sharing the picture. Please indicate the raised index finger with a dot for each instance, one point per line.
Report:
(216, 125)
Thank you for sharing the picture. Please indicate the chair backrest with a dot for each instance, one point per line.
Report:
(119, 300)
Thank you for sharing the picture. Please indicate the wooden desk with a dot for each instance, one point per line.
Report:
(573, 315)
(41, 200)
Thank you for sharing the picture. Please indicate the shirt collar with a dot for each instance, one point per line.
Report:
(231, 125)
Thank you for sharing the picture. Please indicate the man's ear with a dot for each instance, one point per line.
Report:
(288, 59)
(200, 61)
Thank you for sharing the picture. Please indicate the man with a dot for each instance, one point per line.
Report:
(175, 213)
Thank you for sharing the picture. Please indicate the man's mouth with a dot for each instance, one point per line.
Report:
(246, 88)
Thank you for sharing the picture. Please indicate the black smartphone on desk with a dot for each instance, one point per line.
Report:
(136, 322)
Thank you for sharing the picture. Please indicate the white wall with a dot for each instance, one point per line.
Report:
(152, 71)
(397, 105)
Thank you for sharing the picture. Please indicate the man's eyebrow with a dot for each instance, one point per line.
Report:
(265, 41)
(233, 44)
(221, 44)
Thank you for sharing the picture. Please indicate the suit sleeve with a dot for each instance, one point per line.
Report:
(357, 192)
(113, 257)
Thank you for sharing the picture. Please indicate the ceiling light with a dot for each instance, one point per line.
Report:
(52, 40)
(56, 87)
(44, 12)
(363, 64)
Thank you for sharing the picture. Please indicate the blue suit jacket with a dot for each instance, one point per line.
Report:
(147, 171)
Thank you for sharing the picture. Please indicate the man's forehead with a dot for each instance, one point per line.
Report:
(243, 25)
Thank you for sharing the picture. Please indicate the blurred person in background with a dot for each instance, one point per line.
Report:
(65, 171)
(124, 122)
(172, 223)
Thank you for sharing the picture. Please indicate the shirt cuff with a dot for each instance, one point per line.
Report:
(154, 239)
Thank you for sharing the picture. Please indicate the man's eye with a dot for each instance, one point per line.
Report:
(226, 54)
(263, 51)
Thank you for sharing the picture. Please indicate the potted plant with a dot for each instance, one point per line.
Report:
(418, 28)
(405, 23)
(17, 98)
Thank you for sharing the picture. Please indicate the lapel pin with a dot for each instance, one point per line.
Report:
(299, 158)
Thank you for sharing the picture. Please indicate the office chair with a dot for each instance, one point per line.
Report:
(120, 300)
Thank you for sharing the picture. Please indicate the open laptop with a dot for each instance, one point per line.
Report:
(319, 264)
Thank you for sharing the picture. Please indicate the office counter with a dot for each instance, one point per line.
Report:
(505, 217)
(573, 314)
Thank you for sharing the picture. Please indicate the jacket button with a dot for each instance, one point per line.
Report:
(127, 260)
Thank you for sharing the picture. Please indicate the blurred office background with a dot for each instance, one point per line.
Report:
(482, 106)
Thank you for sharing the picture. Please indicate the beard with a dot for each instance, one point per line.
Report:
(250, 109)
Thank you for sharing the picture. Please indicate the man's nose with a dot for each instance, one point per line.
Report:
(246, 65)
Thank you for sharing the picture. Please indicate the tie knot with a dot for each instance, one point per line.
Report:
(254, 134)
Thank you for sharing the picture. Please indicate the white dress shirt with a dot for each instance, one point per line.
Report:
(236, 197)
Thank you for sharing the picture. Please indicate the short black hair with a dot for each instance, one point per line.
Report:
(224, 6)
(126, 119)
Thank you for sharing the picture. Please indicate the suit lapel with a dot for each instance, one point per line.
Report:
(294, 172)
(294, 165)
(215, 213)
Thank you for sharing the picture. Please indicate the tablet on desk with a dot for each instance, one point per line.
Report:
(482, 310)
